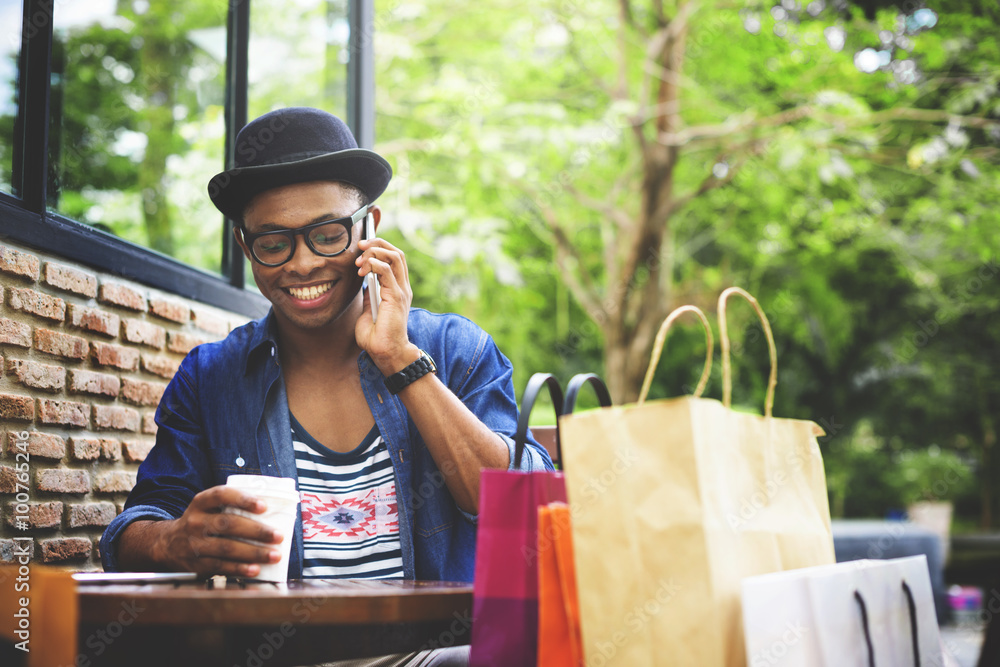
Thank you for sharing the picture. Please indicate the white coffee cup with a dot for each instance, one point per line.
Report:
(282, 501)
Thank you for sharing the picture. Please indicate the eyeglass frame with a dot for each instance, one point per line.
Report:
(250, 238)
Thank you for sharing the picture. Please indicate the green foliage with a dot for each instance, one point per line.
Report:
(865, 225)
(860, 208)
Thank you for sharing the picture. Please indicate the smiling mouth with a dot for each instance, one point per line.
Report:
(308, 293)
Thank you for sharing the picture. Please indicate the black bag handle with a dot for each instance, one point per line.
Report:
(573, 389)
(535, 384)
(912, 605)
(914, 635)
(864, 625)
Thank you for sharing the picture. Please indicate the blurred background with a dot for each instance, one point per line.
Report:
(569, 171)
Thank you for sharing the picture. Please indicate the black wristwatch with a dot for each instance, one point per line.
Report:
(396, 382)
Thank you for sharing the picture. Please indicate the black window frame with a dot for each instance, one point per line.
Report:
(26, 220)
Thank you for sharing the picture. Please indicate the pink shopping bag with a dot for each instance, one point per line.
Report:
(505, 603)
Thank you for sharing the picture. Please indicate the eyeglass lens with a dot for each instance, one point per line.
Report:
(327, 239)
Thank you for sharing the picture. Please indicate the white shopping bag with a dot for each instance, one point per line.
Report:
(856, 614)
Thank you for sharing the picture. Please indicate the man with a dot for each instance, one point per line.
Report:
(386, 423)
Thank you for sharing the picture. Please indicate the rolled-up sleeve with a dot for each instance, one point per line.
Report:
(175, 468)
(486, 387)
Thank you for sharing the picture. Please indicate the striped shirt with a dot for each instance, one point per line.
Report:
(350, 524)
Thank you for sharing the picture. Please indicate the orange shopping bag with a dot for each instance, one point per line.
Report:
(559, 643)
(559, 640)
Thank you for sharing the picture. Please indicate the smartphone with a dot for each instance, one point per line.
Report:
(371, 280)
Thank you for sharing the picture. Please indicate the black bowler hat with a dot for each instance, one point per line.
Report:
(296, 145)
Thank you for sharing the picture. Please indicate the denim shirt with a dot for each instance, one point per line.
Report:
(226, 412)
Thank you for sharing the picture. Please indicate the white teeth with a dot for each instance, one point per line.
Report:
(307, 293)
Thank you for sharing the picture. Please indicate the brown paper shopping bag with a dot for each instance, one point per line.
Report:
(673, 502)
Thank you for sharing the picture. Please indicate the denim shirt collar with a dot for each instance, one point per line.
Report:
(264, 337)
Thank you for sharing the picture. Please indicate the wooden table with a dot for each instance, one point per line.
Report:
(257, 624)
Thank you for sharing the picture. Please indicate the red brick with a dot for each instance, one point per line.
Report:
(182, 343)
(11, 550)
(91, 514)
(62, 480)
(19, 263)
(206, 322)
(136, 450)
(140, 392)
(41, 445)
(144, 333)
(14, 333)
(163, 366)
(90, 382)
(170, 310)
(36, 303)
(17, 407)
(115, 481)
(65, 549)
(122, 295)
(37, 376)
(8, 480)
(115, 417)
(60, 344)
(108, 354)
(94, 319)
(40, 515)
(149, 423)
(111, 450)
(85, 449)
(67, 413)
(71, 280)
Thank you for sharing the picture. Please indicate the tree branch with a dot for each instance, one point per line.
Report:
(711, 182)
(606, 209)
(584, 290)
(747, 122)
(661, 19)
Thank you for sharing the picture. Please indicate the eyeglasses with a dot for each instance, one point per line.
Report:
(326, 238)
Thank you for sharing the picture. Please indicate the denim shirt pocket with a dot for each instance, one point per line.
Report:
(430, 503)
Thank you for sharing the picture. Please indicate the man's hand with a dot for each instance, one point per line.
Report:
(386, 340)
(204, 539)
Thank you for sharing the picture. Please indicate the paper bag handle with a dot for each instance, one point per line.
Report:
(576, 384)
(914, 636)
(727, 378)
(658, 344)
(864, 626)
(535, 384)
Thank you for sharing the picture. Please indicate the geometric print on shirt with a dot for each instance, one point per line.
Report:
(350, 520)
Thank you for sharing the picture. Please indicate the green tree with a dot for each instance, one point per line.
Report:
(654, 153)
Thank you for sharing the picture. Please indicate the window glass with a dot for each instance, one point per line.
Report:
(137, 121)
(298, 55)
(10, 49)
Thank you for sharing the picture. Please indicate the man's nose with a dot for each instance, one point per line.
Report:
(303, 260)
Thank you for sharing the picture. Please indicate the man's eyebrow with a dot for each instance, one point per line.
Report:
(271, 226)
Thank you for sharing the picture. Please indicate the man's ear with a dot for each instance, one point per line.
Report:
(239, 239)
(376, 214)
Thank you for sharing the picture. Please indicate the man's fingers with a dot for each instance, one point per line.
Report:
(234, 525)
(385, 252)
(220, 549)
(218, 497)
(213, 566)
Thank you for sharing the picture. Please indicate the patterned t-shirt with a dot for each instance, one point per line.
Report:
(350, 523)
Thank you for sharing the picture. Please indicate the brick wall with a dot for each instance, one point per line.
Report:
(84, 359)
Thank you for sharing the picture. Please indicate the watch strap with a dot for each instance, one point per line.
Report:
(396, 382)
